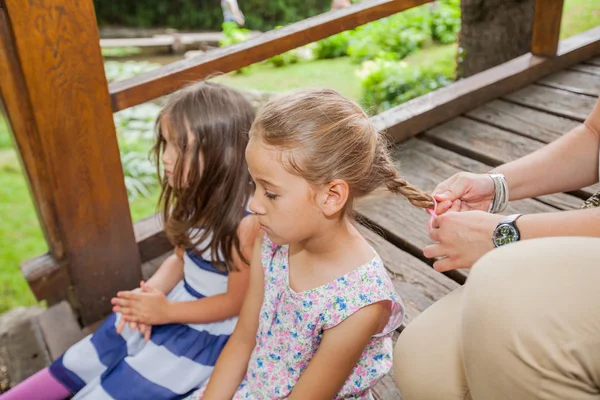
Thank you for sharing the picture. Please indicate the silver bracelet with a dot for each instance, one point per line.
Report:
(501, 195)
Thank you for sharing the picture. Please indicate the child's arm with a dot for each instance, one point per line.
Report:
(338, 353)
(233, 361)
(169, 273)
(152, 308)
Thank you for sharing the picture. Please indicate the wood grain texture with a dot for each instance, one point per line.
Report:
(587, 68)
(67, 89)
(594, 61)
(48, 278)
(13, 92)
(546, 27)
(169, 78)
(485, 143)
(417, 115)
(151, 238)
(576, 82)
(554, 101)
(524, 121)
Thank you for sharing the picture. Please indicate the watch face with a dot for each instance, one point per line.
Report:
(505, 234)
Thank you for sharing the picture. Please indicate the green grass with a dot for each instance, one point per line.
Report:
(336, 74)
(20, 234)
(579, 16)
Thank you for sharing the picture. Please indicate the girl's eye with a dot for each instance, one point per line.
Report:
(271, 196)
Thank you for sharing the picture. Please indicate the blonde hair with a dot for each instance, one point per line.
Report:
(325, 136)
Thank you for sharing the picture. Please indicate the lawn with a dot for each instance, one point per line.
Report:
(20, 234)
(338, 74)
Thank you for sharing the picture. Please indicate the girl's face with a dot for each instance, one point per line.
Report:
(172, 152)
(286, 204)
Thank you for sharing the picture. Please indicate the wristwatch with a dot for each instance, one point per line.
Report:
(506, 231)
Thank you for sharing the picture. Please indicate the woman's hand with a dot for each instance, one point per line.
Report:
(148, 306)
(462, 238)
(463, 192)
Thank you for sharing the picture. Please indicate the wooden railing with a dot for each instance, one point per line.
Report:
(169, 78)
(60, 110)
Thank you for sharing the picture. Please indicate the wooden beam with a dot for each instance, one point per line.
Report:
(13, 93)
(57, 44)
(167, 79)
(48, 277)
(546, 27)
(417, 115)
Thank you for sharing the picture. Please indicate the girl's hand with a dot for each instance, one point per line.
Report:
(463, 192)
(145, 330)
(462, 238)
(150, 306)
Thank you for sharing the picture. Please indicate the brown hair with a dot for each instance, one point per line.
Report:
(215, 195)
(325, 136)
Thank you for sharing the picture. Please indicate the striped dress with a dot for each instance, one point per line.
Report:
(178, 358)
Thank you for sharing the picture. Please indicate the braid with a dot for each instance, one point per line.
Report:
(416, 197)
(389, 177)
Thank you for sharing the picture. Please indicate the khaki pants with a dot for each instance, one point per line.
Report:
(526, 325)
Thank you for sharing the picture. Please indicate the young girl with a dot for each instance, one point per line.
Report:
(180, 320)
(320, 311)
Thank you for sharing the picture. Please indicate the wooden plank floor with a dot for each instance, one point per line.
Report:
(490, 135)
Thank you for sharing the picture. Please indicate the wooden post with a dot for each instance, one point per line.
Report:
(546, 27)
(59, 106)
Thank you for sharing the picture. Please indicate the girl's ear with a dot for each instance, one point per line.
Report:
(333, 197)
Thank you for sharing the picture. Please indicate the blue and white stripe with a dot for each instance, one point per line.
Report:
(178, 358)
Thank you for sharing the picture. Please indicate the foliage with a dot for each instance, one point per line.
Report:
(5, 142)
(387, 83)
(333, 46)
(116, 70)
(396, 36)
(116, 52)
(140, 174)
(287, 58)
(135, 133)
(204, 15)
(445, 21)
(233, 34)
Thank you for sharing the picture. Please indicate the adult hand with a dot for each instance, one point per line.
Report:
(462, 238)
(464, 191)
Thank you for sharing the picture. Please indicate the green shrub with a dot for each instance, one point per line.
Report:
(117, 70)
(287, 58)
(334, 46)
(204, 15)
(393, 37)
(233, 34)
(445, 21)
(117, 52)
(388, 83)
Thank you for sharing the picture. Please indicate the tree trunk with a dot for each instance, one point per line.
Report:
(493, 32)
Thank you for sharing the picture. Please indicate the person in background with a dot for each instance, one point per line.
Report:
(232, 12)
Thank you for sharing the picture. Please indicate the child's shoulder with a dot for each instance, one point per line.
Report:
(248, 230)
